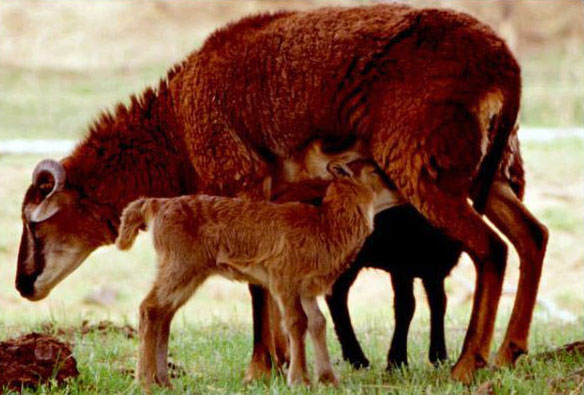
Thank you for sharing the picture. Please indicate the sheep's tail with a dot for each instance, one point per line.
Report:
(492, 161)
(135, 217)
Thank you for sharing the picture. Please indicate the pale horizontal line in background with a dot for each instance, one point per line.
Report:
(26, 146)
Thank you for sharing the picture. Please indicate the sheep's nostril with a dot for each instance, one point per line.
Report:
(25, 284)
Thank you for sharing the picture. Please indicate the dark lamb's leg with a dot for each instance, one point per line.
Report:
(404, 305)
(337, 303)
(437, 301)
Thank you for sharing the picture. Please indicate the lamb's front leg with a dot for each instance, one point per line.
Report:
(148, 329)
(172, 288)
(295, 322)
(317, 330)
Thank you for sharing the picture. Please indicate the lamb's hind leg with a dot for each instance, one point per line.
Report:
(529, 237)
(317, 330)
(295, 322)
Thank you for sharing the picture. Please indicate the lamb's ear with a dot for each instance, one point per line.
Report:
(339, 169)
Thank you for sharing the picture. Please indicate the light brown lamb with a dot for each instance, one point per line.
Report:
(295, 250)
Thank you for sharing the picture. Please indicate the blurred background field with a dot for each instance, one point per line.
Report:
(61, 63)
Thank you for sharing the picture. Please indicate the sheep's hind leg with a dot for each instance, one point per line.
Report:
(317, 330)
(529, 237)
(489, 254)
(435, 177)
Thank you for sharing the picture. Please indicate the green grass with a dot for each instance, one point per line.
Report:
(214, 356)
(211, 337)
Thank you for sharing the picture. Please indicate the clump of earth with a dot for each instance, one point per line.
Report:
(34, 359)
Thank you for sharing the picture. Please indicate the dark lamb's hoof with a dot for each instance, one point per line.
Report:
(359, 363)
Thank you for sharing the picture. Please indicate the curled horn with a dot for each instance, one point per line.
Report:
(54, 168)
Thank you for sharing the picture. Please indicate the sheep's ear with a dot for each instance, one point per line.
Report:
(339, 169)
(45, 210)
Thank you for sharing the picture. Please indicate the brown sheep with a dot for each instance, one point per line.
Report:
(431, 94)
(295, 250)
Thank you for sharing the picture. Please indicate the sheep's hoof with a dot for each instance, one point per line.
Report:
(508, 354)
(466, 366)
(328, 377)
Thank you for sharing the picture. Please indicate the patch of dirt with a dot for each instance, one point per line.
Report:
(35, 359)
(103, 327)
(576, 348)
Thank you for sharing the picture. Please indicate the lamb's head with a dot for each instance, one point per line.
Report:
(313, 162)
(61, 228)
(368, 183)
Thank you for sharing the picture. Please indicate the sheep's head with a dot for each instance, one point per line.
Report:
(60, 229)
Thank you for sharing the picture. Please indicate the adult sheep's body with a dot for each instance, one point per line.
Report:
(428, 91)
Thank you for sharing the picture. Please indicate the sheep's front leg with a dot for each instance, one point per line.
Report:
(295, 323)
(317, 330)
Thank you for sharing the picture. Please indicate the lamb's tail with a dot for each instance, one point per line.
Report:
(135, 217)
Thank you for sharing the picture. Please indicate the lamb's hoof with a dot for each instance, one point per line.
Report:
(295, 380)
(396, 363)
(328, 377)
(256, 371)
(437, 358)
(165, 383)
(466, 366)
(146, 386)
(358, 363)
(508, 354)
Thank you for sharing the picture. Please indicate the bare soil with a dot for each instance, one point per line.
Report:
(34, 359)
